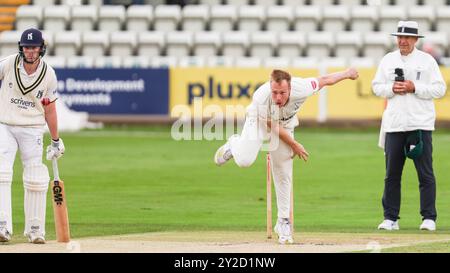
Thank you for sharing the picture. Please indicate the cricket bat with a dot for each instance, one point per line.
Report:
(59, 206)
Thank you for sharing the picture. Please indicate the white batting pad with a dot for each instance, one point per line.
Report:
(5, 199)
(35, 181)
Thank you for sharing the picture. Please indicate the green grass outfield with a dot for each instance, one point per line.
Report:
(134, 180)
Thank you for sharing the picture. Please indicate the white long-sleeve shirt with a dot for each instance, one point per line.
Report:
(412, 111)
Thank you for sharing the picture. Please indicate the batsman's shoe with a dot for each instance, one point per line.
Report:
(5, 236)
(35, 237)
(283, 230)
(389, 225)
(428, 224)
(223, 154)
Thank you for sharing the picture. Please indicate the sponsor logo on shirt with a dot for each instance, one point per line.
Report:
(23, 103)
(40, 94)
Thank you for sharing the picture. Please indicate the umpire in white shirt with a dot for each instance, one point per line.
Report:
(409, 79)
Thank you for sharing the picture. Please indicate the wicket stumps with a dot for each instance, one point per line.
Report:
(269, 200)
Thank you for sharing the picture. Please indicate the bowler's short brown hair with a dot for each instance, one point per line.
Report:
(279, 75)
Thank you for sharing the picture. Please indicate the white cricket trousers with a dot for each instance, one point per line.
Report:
(245, 149)
(29, 141)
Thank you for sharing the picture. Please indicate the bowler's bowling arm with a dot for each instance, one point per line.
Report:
(333, 78)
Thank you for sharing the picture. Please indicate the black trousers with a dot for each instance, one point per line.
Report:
(395, 160)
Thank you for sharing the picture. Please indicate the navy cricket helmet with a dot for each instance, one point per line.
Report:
(32, 37)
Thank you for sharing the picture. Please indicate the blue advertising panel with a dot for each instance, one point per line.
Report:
(115, 91)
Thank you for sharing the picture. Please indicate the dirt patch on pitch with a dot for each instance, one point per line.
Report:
(227, 242)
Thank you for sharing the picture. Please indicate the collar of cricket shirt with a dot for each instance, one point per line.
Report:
(19, 69)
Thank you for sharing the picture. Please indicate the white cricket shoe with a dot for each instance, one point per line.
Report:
(428, 224)
(35, 237)
(223, 154)
(5, 236)
(283, 230)
(389, 225)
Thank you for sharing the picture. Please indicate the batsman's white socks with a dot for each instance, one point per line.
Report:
(428, 224)
(283, 230)
(389, 225)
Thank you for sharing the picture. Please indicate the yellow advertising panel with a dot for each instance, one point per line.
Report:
(443, 104)
(354, 99)
(225, 89)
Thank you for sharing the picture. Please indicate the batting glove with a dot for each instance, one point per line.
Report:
(56, 149)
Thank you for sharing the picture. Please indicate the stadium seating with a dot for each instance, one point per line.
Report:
(319, 44)
(80, 62)
(226, 32)
(43, 3)
(235, 43)
(376, 44)
(223, 18)
(55, 61)
(389, 17)
(291, 44)
(305, 62)
(307, 18)
(276, 62)
(262, 44)
(279, 18)
(8, 42)
(94, 43)
(150, 43)
(424, 15)
(108, 62)
(207, 43)
(348, 44)
(335, 18)
(84, 18)
(167, 18)
(111, 18)
(179, 43)
(363, 18)
(248, 62)
(219, 61)
(56, 18)
(123, 43)
(28, 16)
(67, 45)
(251, 18)
(139, 17)
(443, 19)
(195, 17)
(136, 62)
(192, 61)
(163, 61)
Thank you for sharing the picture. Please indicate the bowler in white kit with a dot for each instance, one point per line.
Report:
(27, 103)
(272, 116)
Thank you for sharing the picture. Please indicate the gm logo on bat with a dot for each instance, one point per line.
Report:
(57, 196)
